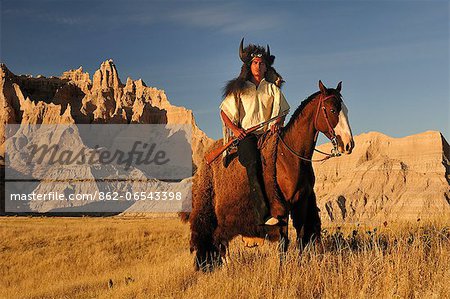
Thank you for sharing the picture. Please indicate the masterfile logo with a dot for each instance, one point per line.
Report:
(98, 168)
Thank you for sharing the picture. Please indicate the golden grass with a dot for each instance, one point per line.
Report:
(79, 257)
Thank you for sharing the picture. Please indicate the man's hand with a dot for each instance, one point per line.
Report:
(239, 133)
(275, 128)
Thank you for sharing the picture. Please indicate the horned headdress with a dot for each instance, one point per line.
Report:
(236, 85)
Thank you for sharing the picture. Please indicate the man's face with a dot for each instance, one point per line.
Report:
(258, 67)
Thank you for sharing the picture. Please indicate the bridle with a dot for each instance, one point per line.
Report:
(330, 133)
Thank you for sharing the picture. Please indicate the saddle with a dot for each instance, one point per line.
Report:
(268, 150)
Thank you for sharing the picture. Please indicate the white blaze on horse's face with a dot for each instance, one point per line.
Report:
(343, 132)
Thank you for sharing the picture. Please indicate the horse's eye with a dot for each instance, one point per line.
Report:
(333, 111)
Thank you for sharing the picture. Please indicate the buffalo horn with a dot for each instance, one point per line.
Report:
(241, 50)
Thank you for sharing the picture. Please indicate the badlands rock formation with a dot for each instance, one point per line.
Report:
(386, 179)
(74, 98)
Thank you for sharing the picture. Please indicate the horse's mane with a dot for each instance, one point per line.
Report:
(299, 109)
(304, 103)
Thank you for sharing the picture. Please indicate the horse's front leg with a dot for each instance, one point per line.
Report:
(283, 243)
(313, 225)
(298, 214)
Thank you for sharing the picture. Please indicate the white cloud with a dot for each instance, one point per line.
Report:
(226, 18)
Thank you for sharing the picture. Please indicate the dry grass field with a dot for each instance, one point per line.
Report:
(144, 258)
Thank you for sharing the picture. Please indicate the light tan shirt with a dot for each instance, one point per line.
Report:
(256, 105)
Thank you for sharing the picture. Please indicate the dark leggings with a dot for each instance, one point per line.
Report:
(250, 158)
(248, 151)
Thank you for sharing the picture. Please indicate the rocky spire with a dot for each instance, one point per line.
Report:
(107, 77)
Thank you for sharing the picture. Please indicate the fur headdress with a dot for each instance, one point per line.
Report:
(236, 85)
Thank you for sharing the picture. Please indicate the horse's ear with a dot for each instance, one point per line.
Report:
(339, 87)
(322, 87)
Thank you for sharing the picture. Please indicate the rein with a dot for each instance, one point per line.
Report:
(331, 135)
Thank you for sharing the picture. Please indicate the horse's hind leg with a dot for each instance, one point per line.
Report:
(221, 243)
(207, 254)
(203, 223)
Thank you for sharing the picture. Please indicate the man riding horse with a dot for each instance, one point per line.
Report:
(250, 99)
(223, 205)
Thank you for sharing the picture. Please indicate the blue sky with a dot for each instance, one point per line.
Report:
(392, 56)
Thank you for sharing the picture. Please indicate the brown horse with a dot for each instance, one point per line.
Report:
(221, 207)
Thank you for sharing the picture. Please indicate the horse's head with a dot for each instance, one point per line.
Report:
(332, 118)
